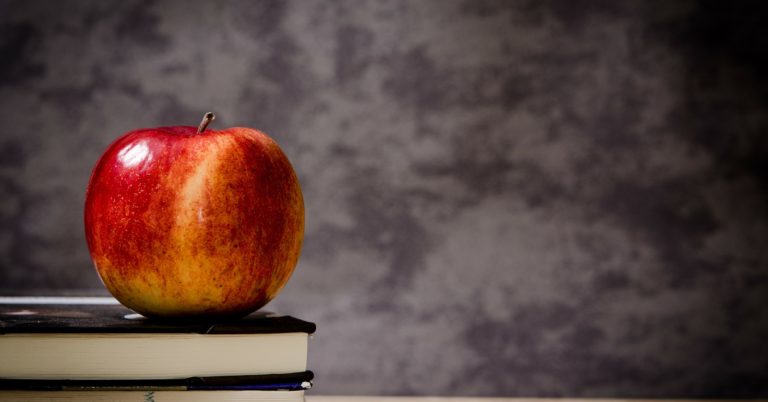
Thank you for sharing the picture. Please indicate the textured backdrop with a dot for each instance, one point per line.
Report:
(532, 198)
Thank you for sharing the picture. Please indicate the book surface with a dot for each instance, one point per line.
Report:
(106, 315)
(97, 339)
(271, 382)
(151, 396)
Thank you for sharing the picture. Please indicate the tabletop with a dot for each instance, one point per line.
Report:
(324, 398)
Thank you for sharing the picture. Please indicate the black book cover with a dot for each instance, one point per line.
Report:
(290, 382)
(105, 315)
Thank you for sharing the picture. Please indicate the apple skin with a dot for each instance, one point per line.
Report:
(188, 224)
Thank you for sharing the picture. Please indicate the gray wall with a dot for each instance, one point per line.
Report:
(531, 198)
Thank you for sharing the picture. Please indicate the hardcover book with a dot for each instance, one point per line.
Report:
(268, 382)
(152, 396)
(82, 339)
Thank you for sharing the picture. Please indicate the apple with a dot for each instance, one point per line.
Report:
(188, 222)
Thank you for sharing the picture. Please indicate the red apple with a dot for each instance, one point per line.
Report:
(188, 222)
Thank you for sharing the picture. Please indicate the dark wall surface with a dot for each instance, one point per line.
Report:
(524, 198)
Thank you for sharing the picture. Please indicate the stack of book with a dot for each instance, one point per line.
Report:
(94, 349)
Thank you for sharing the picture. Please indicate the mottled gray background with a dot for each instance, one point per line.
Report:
(525, 198)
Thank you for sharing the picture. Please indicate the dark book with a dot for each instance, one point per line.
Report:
(152, 396)
(99, 339)
(270, 382)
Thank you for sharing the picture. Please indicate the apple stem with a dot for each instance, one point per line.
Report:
(207, 119)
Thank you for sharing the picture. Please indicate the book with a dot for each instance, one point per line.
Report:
(270, 382)
(151, 396)
(96, 338)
